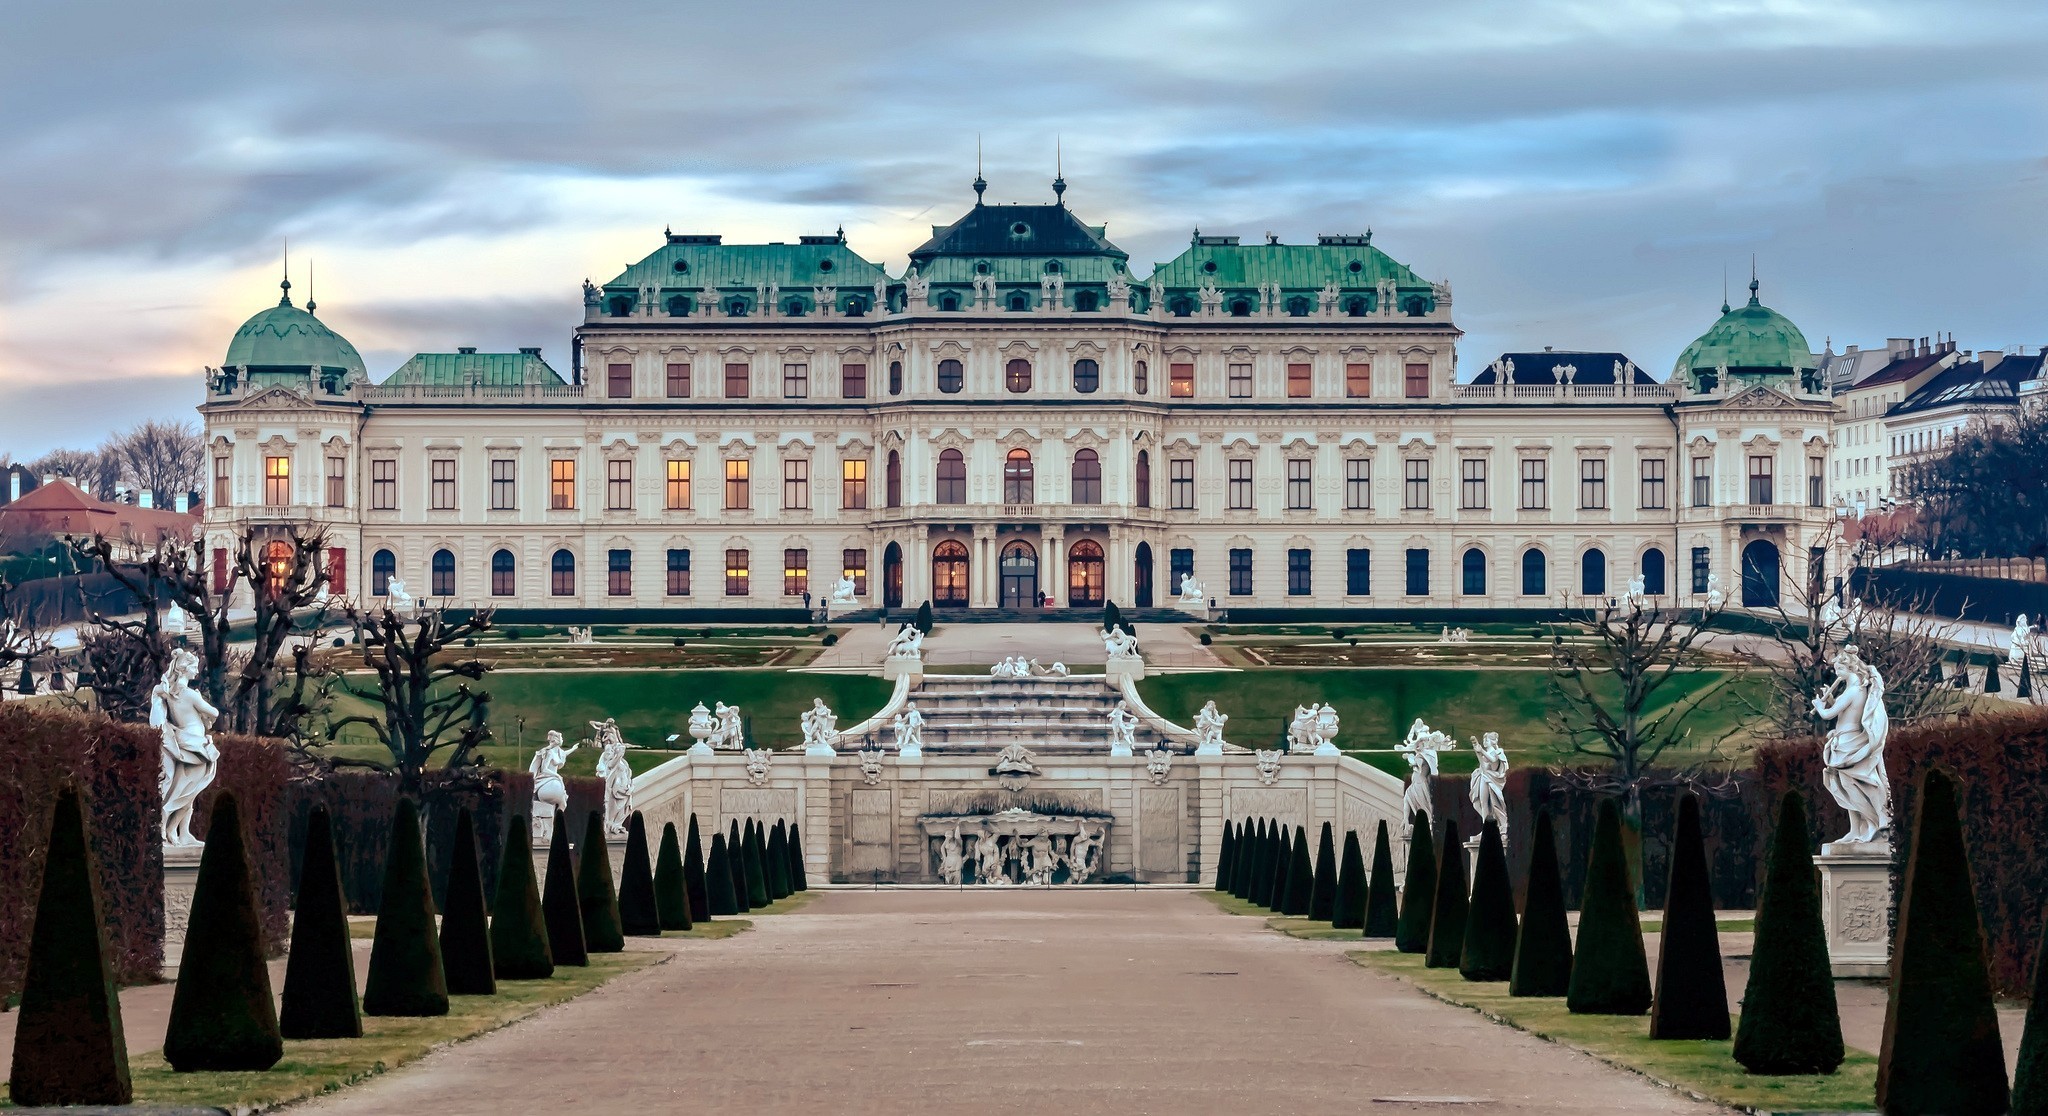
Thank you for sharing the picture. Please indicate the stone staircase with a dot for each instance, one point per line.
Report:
(980, 713)
(1091, 615)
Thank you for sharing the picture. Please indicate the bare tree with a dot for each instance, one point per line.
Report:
(22, 637)
(424, 707)
(162, 458)
(88, 469)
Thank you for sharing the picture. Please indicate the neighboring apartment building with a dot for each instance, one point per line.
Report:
(1970, 394)
(1021, 415)
(1862, 465)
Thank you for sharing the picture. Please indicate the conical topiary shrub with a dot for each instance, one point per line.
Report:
(1692, 996)
(1283, 863)
(1450, 905)
(718, 879)
(776, 863)
(1223, 856)
(1789, 1021)
(465, 928)
(596, 900)
(69, 1047)
(1610, 972)
(757, 873)
(519, 932)
(1347, 910)
(558, 900)
(2030, 1077)
(1991, 682)
(1418, 891)
(222, 1017)
(736, 860)
(671, 894)
(1941, 1047)
(406, 977)
(693, 875)
(1489, 949)
(1322, 898)
(1301, 877)
(798, 879)
(1543, 945)
(320, 971)
(1241, 863)
(2026, 687)
(1252, 863)
(1382, 912)
(639, 913)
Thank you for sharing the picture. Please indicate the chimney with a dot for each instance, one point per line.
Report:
(145, 499)
(1899, 346)
(49, 478)
(466, 350)
(1991, 357)
(13, 485)
(182, 502)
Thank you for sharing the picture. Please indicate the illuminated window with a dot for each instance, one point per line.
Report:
(1019, 485)
(677, 486)
(1300, 381)
(738, 486)
(736, 573)
(854, 564)
(1181, 381)
(796, 572)
(562, 483)
(277, 481)
(853, 484)
(1358, 381)
(1017, 375)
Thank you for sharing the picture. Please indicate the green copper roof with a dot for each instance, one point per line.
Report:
(1752, 339)
(688, 263)
(485, 369)
(285, 337)
(1351, 263)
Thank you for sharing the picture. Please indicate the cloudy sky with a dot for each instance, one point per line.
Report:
(1583, 171)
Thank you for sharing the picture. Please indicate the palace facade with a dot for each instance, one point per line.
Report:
(1020, 418)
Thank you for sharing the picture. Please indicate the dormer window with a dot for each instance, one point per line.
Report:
(620, 306)
(795, 308)
(737, 308)
(981, 267)
(1297, 307)
(679, 306)
(1180, 306)
(1052, 267)
(682, 267)
(1020, 302)
(1355, 306)
(949, 302)
(1085, 301)
(1240, 308)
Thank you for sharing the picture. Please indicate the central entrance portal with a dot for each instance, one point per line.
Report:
(1019, 575)
(949, 574)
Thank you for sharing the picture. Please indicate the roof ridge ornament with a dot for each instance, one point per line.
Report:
(1059, 174)
(980, 183)
(285, 299)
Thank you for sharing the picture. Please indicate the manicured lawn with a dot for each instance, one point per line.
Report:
(1705, 1068)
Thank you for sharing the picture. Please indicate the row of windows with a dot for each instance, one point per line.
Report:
(1473, 580)
(796, 572)
(1018, 377)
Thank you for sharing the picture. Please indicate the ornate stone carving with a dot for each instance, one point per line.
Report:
(871, 766)
(1160, 766)
(1269, 765)
(757, 766)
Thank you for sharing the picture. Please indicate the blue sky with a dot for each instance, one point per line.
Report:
(1582, 171)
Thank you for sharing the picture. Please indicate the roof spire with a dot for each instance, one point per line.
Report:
(1752, 281)
(286, 298)
(310, 304)
(1724, 288)
(980, 184)
(1059, 178)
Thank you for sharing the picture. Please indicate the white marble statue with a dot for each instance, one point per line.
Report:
(1209, 724)
(617, 775)
(727, 732)
(1855, 616)
(1123, 730)
(1830, 614)
(580, 635)
(881, 297)
(1301, 731)
(843, 594)
(190, 760)
(1191, 591)
(1421, 748)
(821, 729)
(908, 643)
(909, 726)
(550, 794)
(1044, 861)
(397, 601)
(2022, 643)
(1638, 591)
(1490, 783)
(702, 726)
(1715, 596)
(1082, 854)
(915, 287)
(1119, 288)
(1854, 750)
(952, 859)
(1119, 644)
(176, 623)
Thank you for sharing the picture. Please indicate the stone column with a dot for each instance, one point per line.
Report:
(1855, 896)
(1052, 574)
(917, 580)
(986, 585)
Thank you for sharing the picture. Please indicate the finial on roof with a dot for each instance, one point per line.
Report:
(840, 232)
(1059, 174)
(310, 304)
(980, 183)
(286, 286)
(1752, 280)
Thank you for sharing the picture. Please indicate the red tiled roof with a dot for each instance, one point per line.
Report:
(62, 508)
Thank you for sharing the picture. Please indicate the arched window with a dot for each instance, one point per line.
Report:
(621, 306)
(1475, 572)
(1240, 308)
(1087, 375)
(1180, 306)
(1593, 573)
(856, 307)
(949, 573)
(1017, 375)
(1084, 574)
(444, 573)
(1085, 301)
(562, 574)
(502, 571)
(1141, 378)
(679, 306)
(952, 477)
(1087, 478)
(1017, 478)
(892, 481)
(1653, 572)
(1297, 307)
(895, 377)
(1142, 477)
(1018, 575)
(1019, 301)
(383, 567)
(1533, 574)
(1355, 306)
(277, 566)
(949, 302)
(951, 377)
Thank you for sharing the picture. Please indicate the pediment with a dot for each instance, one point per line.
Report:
(1759, 396)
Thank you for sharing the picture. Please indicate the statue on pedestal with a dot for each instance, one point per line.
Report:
(1420, 748)
(1490, 783)
(190, 759)
(1120, 644)
(2022, 641)
(617, 775)
(909, 726)
(1191, 591)
(1082, 854)
(843, 594)
(951, 858)
(1209, 724)
(176, 622)
(728, 734)
(908, 643)
(1854, 750)
(821, 729)
(1123, 729)
(550, 794)
(397, 601)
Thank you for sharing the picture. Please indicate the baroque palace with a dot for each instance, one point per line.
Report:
(1020, 420)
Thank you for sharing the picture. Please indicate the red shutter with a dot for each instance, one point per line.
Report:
(337, 571)
(220, 569)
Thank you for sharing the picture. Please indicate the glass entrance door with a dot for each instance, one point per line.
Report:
(1019, 575)
(949, 574)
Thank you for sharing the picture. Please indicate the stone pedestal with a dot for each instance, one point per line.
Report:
(835, 609)
(1121, 667)
(181, 875)
(1855, 898)
(898, 666)
(615, 851)
(1197, 609)
(1471, 862)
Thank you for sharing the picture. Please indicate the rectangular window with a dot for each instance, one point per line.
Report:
(1180, 484)
(853, 565)
(337, 481)
(678, 486)
(277, 481)
(1702, 482)
(796, 485)
(442, 483)
(678, 573)
(736, 381)
(678, 381)
(618, 381)
(737, 485)
(1180, 563)
(1653, 484)
(1299, 581)
(1593, 483)
(504, 483)
(796, 572)
(1535, 483)
(736, 573)
(619, 573)
(1141, 379)
(562, 484)
(1418, 381)
(1762, 485)
(853, 381)
(220, 570)
(796, 381)
(223, 483)
(1240, 484)
(853, 484)
(1816, 471)
(1300, 484)
(1240, 381)
(1415, 485)
(1358, 484)
(1358, 572)
(1702, 568)
(337, 571)
(1358, 381)
(1472, 484)
(618, 485)
(1300, 381)
(384, 484)
(1241, 573)
(1182, 382)
(1418, 572)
